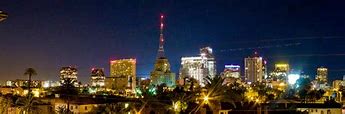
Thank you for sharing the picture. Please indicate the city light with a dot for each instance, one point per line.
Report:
(205, 98)
(86, 36)
(292, 78)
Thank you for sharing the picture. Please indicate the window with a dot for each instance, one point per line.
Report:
(85, 107)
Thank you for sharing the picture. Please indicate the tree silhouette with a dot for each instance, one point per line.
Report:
(216, 92)
(67, 91)
(30, 72)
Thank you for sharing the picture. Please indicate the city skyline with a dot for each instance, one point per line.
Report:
(77, 39)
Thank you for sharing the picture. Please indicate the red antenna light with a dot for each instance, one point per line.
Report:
(162, 24)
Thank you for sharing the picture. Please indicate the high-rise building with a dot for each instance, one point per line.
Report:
(122, 74)
(3, 16)
(192, 67)
(68, 73)
(280, 72)
(97, 77)
(321, 75)
(282, 67)
(254, 70)
(161, 72)
(209, 60)
(337, 84)
(198, 67)
(232, 71)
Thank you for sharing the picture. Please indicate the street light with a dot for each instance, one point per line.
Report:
(205, 99)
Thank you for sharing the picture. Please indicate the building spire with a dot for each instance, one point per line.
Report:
(161, 38)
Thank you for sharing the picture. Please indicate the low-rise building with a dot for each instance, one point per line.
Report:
(320, 108)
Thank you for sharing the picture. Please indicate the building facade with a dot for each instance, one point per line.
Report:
(280, 72)
(232, 71)
(122, 74)
(254, 68)
(209, 60)
(337, 84)
(68, 73)
(198, 67)
(97, 77)
(321, 75)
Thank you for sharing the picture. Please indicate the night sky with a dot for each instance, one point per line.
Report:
(49, 34)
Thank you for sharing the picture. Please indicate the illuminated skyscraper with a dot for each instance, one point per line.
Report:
(3, 16)
(97, 77)
(192, 67)
(199, 67)
(232, 71)
(209, 60)
(280, 73)
(321, 75)
(68, 72)
(123, 74)
(282, 67)
(161, 72)
(337, 84)
(254, 68)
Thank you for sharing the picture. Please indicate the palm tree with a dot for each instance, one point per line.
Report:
(26, 105)
(216, 92)
(67, 90)
(262, 90)
(237, 90)
(30, 72)
(181, 99)
(5, 103)
(147, 99)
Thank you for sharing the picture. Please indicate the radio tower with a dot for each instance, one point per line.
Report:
(161, 72)
(161, 39)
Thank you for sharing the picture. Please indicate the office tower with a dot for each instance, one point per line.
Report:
(97, 77)
(198, 67)
(254, 68)
(161, 72)
(337, 84)
(280, 72)
(123, 74)
(209, 61)
(193, 67)
(68, 73)
(321, 75)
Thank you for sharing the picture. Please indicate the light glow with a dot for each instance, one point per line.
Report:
(206, 99)
(292, 78)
